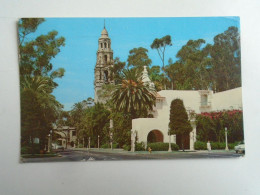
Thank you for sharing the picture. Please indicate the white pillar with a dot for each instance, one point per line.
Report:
(49, 141)
(133, 135)
(192, 140)
(89, 143)
(98, 141)
(170, 146)
(226, 139)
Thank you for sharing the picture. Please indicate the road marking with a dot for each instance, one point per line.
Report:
(91, 158)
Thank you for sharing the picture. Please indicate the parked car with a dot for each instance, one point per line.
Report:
(240, 148)
(56, 146)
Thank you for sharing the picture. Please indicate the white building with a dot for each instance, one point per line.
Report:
(67, 136)
(194, 101)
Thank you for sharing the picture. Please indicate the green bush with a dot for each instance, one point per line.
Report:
(159, 146)
(200, 145)
(139, 147)
(115, 145)
(25, 150)
(28, 149)
(214, 145)
(126, 147)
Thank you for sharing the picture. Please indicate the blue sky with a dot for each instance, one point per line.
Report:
(78, 57)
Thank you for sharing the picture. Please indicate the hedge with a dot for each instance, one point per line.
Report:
(126, 147)
(115, 145)
(28, 149)
(214, 145)
(159, 146)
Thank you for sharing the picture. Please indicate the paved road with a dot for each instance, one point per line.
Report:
(93, 155)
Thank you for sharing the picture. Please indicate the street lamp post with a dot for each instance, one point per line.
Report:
(111, 140)
(89, 142)
(226, 138)
(98, 142)
(170, 146)
(50, 140)
(111, 134)
(49, 137)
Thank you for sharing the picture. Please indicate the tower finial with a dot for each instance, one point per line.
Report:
(104, 23)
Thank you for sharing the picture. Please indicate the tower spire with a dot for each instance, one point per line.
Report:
(104, 23)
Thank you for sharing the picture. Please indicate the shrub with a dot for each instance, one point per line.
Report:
(115, 145)
(159, 146)
(200, 145)
(28, 149)
(126, 147)
(139, 147)
(25, 150)
(211, 126)
(214, 145)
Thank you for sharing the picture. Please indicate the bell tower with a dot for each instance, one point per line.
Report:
(103, 73)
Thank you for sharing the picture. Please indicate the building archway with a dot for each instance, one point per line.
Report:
(154, 136)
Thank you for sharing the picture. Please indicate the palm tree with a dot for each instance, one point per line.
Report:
(39, 108)
(132, 95)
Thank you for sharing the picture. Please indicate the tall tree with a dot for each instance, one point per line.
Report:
(225, 54)
(95, 123)
(37, 80)
(160, 45)
(194, 63)
(179, 123)
(132, 96)
(138, 58)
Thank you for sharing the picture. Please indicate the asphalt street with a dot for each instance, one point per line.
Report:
(108, 155)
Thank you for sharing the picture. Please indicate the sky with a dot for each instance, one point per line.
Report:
(78, 56)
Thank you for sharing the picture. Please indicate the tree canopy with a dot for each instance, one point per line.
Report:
(160, 46)
(226, 60)
(138, 58)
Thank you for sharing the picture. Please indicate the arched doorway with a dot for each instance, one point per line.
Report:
(155, 136)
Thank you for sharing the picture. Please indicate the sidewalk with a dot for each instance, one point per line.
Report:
(122, 151)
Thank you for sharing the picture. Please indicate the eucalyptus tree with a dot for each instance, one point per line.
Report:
(226, 60)
(160, 45)
(138, 58)
(193, 67)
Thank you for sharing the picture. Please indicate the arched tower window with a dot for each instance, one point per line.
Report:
(105, 59)
(106, 76)
(105, 45)
(101, 45)
(100, 75)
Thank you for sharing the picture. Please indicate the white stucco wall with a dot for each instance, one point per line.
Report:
(231, 99)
